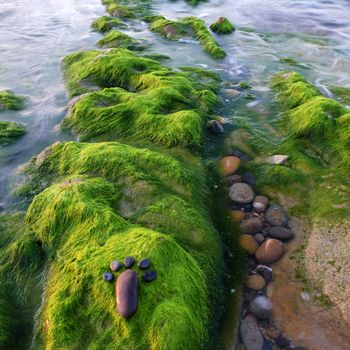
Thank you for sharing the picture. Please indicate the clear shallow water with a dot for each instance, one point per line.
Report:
(35, 36)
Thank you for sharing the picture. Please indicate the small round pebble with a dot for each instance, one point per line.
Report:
(282, 342)
(259, 237)
(268, 275)
(249, 179)
(115, 265)
(129, 261)
(215, 127)
(107, 276)
(149, 275)
(144, 264)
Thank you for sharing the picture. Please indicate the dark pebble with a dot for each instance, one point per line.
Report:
(115, 265)
(107, 276)
(245, 157)
(249, 179)
(268, 345)
(300, 348)
(267, 274)
(149, 275)
(234, 206)
(144, 264)
(282, 342)
(247, 207)
(232, 179)
(129, 261)
(236, 153)
(215, 127)
(259, 237)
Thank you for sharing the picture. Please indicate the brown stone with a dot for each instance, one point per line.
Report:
(232, 179)
(237, 215)
(228, 165)
(252, 225)
(249, 244)
(255, 282)
(126, 291)
(270, 251)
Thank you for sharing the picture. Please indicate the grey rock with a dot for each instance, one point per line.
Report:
(252, 225)
(107, 276)
(115, 265)
(261, 307)
(259, 237)
(260, 204)
(129, 261)
(215, 127)
(250, 334)
(277, 159)
(241, 193)
(276, 216)
(144, 264)
(282, 342)
(149, 276)
(280, 232)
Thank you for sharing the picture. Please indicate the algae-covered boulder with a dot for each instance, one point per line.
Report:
(116, 38)
(106, 23)
(222, 26)
(10, 102)
(148, 100)
(10, 131)
(169, 29)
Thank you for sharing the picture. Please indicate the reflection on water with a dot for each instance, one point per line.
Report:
(36, 35)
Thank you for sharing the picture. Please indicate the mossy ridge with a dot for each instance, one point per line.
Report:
(188, 26)
(343, 93)
(10, 102)
(21, 257)
(65, 217)
(151, 102)
(129, 9)
(105, 24)
(115, 38)
(10, 131)
(222, 26)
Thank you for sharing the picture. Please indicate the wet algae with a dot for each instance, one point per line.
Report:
(10, 132)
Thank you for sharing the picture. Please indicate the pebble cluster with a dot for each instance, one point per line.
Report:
(127, 283)
(265, 229)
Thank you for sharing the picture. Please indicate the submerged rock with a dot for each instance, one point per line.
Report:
(276, 215)
(115, 265)
(251, 225)
(222, 26)
(215, 127)
(261, 307)
(280, 232)
(149, 275)
(10, 102)
(107, 276)
(260, 204)
(228, 165)
(129, 261)
(270, 251)
(241, 193)
(250, 333)
(126, 291)
(248, 244)
(144, 264)
(10, 131)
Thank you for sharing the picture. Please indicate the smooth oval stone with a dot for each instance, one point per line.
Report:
(249, 179)
(115, 265)
(126, 291)
(259, 237)
(260, 204)
(270, 251)
(107, 276)
(277, 159)
(248, 244)
(129, 261)
(276, 216)
(144, 264)
(255, 282)
(250, 333)
(280, 232)
(149, 276)
(232, 179)
(268, 275)
(228, 165)
(236, 153)
(251, 225)
(215, 127)
(237, 215)
(241, 193)
(261, 307)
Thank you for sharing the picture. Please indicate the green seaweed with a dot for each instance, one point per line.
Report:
(115, 38)
(10, 102)
(343, 93)
(10, 131)
(172, 30)
(222, 26)
(106, 23)
(150, 101)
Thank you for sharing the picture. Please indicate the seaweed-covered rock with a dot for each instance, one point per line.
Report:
(172, 30)
(106, 23)
(148, 100)
(115, 38)
(10, 102)
(241, 193)
(222, 26)
(126, 292)
(10, 131)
